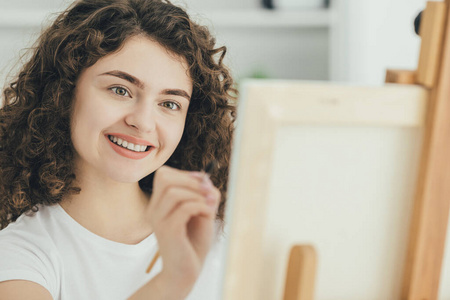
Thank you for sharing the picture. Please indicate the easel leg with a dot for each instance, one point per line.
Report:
(301, 273)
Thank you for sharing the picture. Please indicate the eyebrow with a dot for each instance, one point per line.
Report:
(128, 77)
(134, 80)
(176, 92)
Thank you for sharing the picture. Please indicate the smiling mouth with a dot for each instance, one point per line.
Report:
(127, 145)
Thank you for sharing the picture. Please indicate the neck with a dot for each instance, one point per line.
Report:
(111, 209)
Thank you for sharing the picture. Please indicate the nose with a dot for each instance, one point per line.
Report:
(142, 117)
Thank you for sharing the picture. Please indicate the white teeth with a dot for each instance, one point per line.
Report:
(129, 146)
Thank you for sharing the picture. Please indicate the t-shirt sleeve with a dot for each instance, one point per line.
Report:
(21, 260)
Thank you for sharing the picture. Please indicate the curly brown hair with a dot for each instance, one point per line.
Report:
(36, 151)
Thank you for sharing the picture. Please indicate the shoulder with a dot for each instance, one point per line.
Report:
(27, 251)
(30, 231)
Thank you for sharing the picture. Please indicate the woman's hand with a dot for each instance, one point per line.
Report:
(182, 212)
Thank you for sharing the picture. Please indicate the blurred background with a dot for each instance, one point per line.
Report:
(339, 40)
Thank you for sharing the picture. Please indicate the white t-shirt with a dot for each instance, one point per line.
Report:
(53, 250)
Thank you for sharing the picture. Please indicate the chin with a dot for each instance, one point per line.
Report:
(126, 177)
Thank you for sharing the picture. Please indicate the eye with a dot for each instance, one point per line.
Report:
(171, 105)
(120, 91)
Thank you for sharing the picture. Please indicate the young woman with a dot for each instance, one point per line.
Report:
(103, 138)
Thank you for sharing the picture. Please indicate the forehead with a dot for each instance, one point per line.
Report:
(147, 60)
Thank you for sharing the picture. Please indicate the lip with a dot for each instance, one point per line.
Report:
(129, 153)
(131, 139)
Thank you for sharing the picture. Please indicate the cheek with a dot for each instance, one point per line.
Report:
(88, 122)
(80, 132)
(173, 133)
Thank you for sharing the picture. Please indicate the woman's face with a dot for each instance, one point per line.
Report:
(129, 111)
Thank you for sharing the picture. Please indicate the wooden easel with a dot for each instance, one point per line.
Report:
(421, 276)
(432, 204)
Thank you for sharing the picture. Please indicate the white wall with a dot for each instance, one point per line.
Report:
(10, 52)
(364, 38)
(199, 5)
(293, 52)
(33, 4)
(369, 36)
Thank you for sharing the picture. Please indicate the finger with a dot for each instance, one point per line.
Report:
(196, 222)
(174, 197)
(174, 226)
(213, 197)
(188, 210)
(166, 177)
